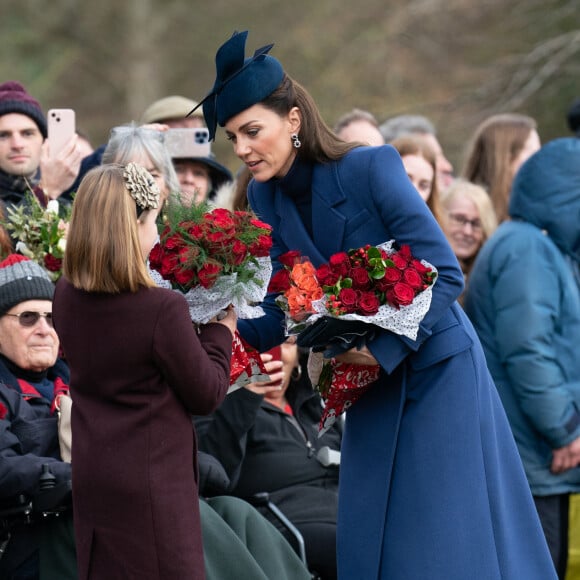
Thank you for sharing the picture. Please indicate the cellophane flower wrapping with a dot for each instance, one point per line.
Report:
(40, 233)
(216, 257)
(382, 286)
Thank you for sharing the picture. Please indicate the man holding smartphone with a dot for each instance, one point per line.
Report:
(24, 156)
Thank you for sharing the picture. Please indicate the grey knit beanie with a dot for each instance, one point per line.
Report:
(22, 279)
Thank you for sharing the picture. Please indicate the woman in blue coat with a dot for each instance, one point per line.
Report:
(431, 483)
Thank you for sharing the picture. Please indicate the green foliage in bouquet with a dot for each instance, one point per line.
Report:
(40, 233)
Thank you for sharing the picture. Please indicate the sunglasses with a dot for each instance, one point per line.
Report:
(30, 318)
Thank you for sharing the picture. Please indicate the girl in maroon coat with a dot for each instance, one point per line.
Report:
(138, 371)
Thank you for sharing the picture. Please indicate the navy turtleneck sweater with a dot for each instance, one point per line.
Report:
(296, 185)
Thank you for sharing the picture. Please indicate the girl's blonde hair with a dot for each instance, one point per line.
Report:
(103, 252)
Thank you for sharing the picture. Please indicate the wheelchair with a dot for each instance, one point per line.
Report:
(215, 481)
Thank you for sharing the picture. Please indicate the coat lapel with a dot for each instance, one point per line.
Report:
(328, 221)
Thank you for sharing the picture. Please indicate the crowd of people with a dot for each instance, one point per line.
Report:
(480, 412)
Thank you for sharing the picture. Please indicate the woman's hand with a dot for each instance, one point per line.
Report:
(275, 372)
(357, 357)
(228, 318)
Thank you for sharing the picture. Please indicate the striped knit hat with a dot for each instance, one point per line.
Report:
(22, 279)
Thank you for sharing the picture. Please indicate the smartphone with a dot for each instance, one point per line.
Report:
(61, 127)
(187, 143)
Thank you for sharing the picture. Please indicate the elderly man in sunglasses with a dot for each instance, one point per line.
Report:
(30, 375)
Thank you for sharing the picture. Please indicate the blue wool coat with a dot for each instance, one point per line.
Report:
(431, 483)
(524, 300)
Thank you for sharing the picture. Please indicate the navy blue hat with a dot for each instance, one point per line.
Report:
(240, 82)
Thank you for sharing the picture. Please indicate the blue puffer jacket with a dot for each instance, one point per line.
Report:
(524, 301)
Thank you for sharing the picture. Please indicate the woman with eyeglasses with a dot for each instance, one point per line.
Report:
(468, 220)
(31, 374)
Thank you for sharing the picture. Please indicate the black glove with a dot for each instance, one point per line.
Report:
(335, 336)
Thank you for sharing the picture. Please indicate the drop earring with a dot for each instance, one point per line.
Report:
(295, 141)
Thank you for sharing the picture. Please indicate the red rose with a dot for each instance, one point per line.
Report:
(405, 252)
(412, 277)
(325, 275)
(420, 267)
(168, 263)
(360, 278)
(289, 258)
(239, 250)
(184, 276)
(340, 263)
(221, 218)
(208, 274)
(348, 298)
(403, 294)
(173, 242)
(261, 247)
(280, 281)
(392, 275)
(399, 261)
(3, 411)
(155, 256)
(368, 303)
(196, 231)
(217, 237)
(52, 264)
(259, 224)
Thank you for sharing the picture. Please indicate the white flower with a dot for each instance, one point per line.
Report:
(22, 248)
(61, 245)
(52, 206)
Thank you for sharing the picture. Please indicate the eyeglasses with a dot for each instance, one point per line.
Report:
(29, 318)
(462, 221)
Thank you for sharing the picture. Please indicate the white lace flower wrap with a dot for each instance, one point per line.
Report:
(205, 303)
(404, 321)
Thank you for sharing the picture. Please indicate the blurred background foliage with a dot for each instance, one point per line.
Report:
(455, 61)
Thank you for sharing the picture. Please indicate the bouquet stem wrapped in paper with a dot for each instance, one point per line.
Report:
(342, 304)
(217, 257)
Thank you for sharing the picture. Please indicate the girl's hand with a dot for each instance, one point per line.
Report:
(228, 318)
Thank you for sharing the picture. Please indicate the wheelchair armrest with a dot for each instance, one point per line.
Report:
(19, 505)
(262, 499)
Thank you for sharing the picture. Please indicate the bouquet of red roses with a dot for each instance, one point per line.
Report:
(217, 257)
(337, 306)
